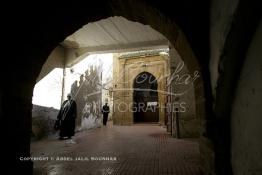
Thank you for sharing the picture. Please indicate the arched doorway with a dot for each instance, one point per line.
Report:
(145, 98)
(47, 39)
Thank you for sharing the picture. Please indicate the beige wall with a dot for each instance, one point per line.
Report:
(184, 96)
(125, 71)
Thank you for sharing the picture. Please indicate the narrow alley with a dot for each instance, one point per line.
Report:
(137, 149)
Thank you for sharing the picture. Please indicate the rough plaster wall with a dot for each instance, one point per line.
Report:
(39, 111)
(43, 120)
(189, 125)
(87, 93)
(222, 13)
(55, 60)
(72, 57)
(246, 113)
(116, 84)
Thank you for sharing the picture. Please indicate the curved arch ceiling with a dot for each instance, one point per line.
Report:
(114, 33)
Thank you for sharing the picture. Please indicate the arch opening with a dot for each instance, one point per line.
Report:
(156, 23)
(145, 98)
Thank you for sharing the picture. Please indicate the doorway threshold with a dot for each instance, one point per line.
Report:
(147, 123)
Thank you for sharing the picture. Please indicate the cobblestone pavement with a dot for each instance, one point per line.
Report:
(117, 150)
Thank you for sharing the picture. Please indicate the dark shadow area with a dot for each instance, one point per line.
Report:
(145, 98)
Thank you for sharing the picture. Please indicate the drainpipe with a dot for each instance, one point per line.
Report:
(63, 79)
(63, 86)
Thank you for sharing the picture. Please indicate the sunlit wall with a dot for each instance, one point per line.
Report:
(48, 91)
(74, 73)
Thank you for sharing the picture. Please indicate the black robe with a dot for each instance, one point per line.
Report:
(105, 111)
(67, 116)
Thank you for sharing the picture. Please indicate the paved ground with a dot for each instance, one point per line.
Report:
(117, 150)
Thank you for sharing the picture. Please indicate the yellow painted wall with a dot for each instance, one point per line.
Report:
(125, 71)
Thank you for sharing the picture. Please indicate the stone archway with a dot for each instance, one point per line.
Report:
(50, 31)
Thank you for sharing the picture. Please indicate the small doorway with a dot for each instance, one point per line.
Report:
(145, 99)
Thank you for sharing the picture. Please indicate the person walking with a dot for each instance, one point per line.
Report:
(105, 111)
